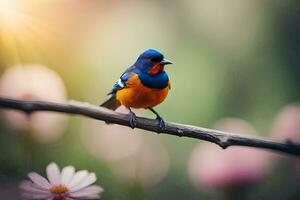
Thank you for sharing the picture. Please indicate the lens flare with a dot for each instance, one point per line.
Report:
(24, 31)
(9, 13)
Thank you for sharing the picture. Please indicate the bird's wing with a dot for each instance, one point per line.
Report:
(122, 81)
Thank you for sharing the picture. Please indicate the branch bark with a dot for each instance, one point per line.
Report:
(223, 139)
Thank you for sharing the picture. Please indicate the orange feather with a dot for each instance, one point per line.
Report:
(136, 95)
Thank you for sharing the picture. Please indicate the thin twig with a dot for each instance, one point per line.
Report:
(220, 138)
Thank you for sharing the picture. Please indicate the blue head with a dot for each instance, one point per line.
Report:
(151, 61)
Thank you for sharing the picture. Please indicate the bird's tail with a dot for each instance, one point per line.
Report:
(112, 103)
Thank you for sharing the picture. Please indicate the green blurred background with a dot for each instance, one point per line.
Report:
(231, 58)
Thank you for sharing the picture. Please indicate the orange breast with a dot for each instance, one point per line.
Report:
(138, 96)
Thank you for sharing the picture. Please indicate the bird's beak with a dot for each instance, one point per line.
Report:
(165, 62)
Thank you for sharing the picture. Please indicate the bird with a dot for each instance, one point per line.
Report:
(143, 85)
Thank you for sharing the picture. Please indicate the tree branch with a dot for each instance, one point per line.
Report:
(220, 138)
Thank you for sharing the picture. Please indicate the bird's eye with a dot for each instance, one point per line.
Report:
(155, 59)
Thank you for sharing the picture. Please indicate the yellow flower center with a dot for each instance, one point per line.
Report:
(59, 189)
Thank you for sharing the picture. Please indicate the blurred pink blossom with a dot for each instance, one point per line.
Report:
(286, 128)
(110, 142)
(287, 124)
(61, 185)
(34, 82)
(147, 167)
(134, 157)
(214, 168)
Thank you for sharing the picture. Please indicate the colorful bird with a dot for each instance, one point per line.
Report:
(143, 85)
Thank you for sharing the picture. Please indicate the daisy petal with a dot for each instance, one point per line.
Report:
(90, 179)
(39, 180)
(67, 174)
(89, 191)
(28, 186)
(78, 177)
(76, 185)
(53, 173)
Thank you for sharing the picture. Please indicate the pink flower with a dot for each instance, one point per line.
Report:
(286, 128)
(133, 157)
(34, 82)
(211, 167)
(287, 124)
(64, 185)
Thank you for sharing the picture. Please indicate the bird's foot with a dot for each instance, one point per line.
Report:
(161, 122)
(132, 119)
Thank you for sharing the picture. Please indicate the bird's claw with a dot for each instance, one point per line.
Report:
(132, 119)
(162, 123)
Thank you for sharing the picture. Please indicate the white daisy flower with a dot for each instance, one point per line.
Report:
(64, 185)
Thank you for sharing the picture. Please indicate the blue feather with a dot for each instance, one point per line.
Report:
(158, 81)
(147, 59)
(141, 67)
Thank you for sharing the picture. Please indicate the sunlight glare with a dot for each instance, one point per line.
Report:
(9, 13)
(22, 32)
